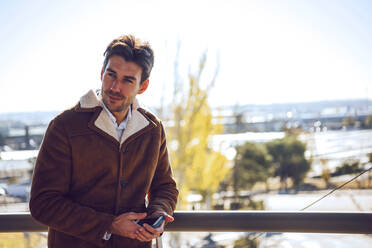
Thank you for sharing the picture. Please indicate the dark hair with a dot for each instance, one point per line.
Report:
(133, 50)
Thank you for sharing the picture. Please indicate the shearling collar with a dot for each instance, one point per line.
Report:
(138, 121)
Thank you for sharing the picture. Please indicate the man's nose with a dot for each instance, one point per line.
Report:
(115, 85)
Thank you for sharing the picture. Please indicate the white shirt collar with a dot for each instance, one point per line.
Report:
(119, 128)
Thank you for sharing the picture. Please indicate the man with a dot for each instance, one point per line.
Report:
(104, 164)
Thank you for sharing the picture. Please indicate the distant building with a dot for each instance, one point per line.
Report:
(15, 168)
(311, 116)
(23, 138)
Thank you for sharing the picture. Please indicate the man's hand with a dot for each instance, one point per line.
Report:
(125, 226)
(147, 232)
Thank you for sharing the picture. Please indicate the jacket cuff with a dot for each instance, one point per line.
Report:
(106, 226)
(158, 208)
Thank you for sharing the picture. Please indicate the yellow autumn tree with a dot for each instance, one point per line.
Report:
(197, 166)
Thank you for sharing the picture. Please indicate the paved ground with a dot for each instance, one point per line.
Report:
(341, 200)
(315, 240)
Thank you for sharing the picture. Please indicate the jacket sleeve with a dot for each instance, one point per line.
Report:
(163, 192)
(49, 202)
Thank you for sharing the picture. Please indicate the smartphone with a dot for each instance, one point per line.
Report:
(155, 222)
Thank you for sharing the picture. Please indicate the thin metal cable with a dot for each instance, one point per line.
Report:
(337, 188)
(321, 198)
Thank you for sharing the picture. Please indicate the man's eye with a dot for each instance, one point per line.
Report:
(110, 74)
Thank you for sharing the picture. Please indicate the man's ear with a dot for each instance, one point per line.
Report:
(143, 86)
(102, 71)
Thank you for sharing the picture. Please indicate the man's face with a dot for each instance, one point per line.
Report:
(120, 85)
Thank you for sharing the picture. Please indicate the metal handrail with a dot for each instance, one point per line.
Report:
(234, 221)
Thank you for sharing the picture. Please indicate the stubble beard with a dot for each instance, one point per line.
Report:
(106, 101)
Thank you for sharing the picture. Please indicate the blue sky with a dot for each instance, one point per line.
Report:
(269, 51)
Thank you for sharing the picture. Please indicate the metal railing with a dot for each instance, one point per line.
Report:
(234, 221)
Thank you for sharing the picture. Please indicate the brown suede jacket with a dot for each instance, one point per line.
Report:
(84, 176)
